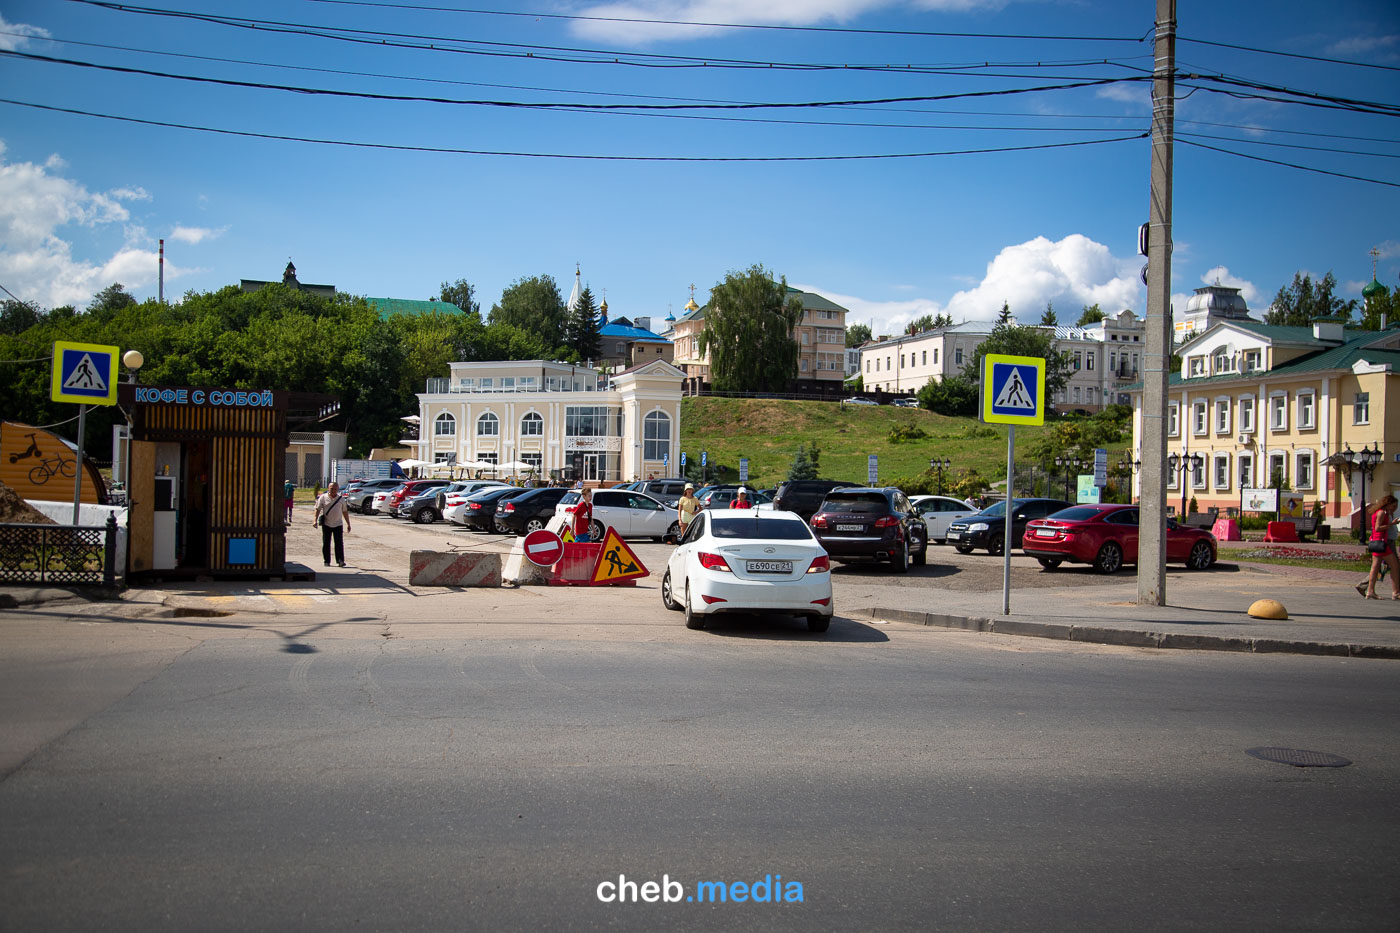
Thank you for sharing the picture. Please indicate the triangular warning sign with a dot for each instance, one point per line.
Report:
(1013, 393)
(86, 376)
(617, 561)
(567, 535)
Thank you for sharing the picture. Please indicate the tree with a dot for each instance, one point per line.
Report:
(1005, 316)
(462, 294)
(805, 464)
(109, 301)
(16, 317)
(953, 396)
(1016, 340)
(857, 334)
(1092, 315)
(1298, 304)
(748, 332)
(533, 305)
(1048, 319)
(581, 328)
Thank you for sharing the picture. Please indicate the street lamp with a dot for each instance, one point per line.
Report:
(940, 465)
(1127, 466)
(1069, 463)
(1366, 460)
(1182, 464)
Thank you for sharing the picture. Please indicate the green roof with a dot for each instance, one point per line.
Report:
(1322, 360)
(389, 307)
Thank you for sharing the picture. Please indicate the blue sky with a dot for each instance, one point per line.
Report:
(83, 200)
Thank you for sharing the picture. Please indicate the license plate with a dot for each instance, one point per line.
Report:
(850, 527)
(769, 566)
(1045, 533)
(954, 535)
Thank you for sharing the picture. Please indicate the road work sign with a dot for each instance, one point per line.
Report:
(1013, 389)
(616, 562)
(85, 373)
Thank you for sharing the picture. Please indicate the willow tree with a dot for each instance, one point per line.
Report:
(748, 333)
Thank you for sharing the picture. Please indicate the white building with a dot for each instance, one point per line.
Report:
(1105, 357)
(556, 418)
(906, 364)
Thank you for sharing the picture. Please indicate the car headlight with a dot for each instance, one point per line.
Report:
(979, 526)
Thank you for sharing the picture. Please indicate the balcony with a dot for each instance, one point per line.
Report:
(441, 385)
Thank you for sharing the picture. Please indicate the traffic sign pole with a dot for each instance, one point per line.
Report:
(78, 465)
(1006, 535)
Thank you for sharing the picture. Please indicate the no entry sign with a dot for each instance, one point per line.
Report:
(543, 547)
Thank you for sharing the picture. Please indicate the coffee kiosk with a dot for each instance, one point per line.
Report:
(204, 477)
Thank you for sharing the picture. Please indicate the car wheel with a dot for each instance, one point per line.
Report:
(1048, 563)
(367, 507)
(1110, 558)
(595, 531)
(921, 555)
(668, 599)
(425, 516)
(693, 619)
(818, 624)
(534, 524)
(963, 548)
(899, 563)
(994, 545)
(1200, 558)
(672, 534)
(498, 528)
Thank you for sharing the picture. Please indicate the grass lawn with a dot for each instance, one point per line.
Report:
(769, 432)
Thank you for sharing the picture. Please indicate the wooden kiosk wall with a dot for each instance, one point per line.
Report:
(246, 467)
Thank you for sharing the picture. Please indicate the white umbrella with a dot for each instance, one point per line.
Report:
(411, 463)
(516, 466)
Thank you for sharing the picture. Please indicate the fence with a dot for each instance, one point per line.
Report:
(82, 554)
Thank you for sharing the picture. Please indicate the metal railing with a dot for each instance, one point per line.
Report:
(81, 554)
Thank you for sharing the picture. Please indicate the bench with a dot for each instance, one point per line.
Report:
(1204, 519)
(1311, 524)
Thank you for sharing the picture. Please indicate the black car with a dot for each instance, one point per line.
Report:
(803, 496)
(868, 523)
(529, 511)
(480, 514)
(987, 529)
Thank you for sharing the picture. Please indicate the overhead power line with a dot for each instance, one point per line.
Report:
(1301, 168)
(1298, 55)
(562, 155)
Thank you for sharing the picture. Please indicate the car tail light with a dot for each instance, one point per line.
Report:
(825, 600)
(820, 564)
(711, 600)
(713, 562)
(473, 505)
(818, 521)
(886, 521)
(508, 507)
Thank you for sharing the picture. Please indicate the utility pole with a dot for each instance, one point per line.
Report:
(1152, 533)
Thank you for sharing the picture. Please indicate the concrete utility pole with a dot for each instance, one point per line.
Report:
(1152, 532)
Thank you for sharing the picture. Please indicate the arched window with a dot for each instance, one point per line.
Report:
(488, 426)
(656, 435)
(445, 425)
(532, 425)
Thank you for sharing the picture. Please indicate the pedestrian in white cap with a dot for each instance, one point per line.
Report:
(741, 500)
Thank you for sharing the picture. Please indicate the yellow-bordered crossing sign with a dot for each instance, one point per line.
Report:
(85, 373)
(1013, 389)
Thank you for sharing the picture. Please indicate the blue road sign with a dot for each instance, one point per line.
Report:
(1013, 389)
(704, 456)
(682, 459)
(85, 373)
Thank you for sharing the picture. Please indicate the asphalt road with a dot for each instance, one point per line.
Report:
(491, 773)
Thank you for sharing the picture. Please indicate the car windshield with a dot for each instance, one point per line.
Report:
(855, 502)
(1077, 514)
(784, 529)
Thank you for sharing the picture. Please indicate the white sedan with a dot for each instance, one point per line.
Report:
(630, 514)
(938, 512)
(455, 504)
(743, 560)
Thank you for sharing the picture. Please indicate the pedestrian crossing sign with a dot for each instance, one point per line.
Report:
(1013, 389)
(85, 373)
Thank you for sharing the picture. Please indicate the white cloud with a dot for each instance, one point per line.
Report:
(1138, 93)
(9, 41)
(758, 12)
(38, 264)
(1359, 46)
(1072, 273)
(1388, 250)
(194, 235)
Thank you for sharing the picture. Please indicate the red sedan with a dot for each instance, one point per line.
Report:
(1107, 537)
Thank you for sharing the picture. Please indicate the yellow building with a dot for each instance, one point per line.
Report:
(1256, 400)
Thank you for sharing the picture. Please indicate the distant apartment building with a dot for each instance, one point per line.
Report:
(906, 364)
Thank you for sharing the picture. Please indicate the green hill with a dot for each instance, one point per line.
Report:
(770, 431)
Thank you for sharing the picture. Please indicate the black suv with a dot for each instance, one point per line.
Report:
(866, 523)
(988, 527)
(529, 511)
(803, 496)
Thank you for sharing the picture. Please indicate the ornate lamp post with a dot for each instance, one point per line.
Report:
(1127, 466)
(1366, 460)
(1068, 464)
(940, 465)
(1181, 465)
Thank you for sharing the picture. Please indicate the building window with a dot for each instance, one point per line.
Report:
(1252, 361)
(1197, 366)
(1278, 413)
(1089, 394)
(532, 425)
(925, 358)
(867, 366)
(1224, 361)
(491, 457)
(1247, 414)
(1173, 420)
(1078, 360)
(1246, 470)
(1076, 395)
(935, 356)
(445, 426)
(803, 364)
(1361, 409)
(1278, 469)
(488, 426)
(1303, 470)
(1222, 416)
(1089, 361)
(536, 461)
(1198, 417)
(656, 436)
(1222, 471)
(1306, 411)
(901, 361)
(1113, 360)
(958, 356)
(1198, 474)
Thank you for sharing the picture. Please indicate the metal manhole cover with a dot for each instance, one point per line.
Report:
(1299, 757)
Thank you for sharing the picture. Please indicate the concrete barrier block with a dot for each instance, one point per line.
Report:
(453, 568)
(522, 572)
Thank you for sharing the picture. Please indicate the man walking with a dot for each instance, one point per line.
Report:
(334, 518)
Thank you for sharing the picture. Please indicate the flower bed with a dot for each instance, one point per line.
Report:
(1299, 553)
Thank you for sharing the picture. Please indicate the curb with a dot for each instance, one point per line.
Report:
(12, 597)
(1130, 638)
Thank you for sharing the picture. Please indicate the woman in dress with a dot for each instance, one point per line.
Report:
(1382, 518)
